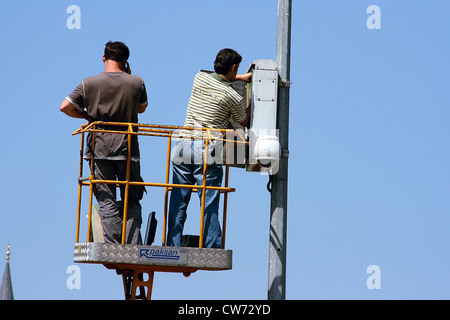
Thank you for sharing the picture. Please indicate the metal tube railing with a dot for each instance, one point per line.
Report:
(202, 210)
(127, 187)
(166, 191)
(80, 187)
(91, 188)
(159, 131)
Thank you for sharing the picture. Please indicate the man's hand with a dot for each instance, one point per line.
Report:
(246, 77)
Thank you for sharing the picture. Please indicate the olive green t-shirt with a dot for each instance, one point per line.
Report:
(111, 97)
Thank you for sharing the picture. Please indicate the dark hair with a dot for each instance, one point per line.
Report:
(225, 59)
(116, 51)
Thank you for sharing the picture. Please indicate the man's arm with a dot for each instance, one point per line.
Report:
(246, 77)
(142, 107)
(143, 102)
(72, 111)
(247, 119)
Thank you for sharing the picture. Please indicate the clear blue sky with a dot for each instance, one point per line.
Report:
(369, 132)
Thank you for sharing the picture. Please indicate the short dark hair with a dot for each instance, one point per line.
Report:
(116, 51)
(225, 59)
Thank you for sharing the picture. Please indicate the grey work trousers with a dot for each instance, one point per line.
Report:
(111, 210)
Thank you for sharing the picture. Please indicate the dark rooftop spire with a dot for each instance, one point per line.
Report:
(6, 292)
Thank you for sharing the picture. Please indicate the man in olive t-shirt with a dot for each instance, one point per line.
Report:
(114, 96)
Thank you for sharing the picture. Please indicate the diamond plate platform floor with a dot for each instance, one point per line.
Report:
(153, 258)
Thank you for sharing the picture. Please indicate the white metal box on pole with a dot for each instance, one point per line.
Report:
(264, 146)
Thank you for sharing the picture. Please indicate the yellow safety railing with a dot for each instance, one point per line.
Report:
(158, 131)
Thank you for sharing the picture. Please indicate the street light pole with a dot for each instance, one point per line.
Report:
(278, 207)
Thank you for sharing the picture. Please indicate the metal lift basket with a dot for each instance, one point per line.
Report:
(132, 260)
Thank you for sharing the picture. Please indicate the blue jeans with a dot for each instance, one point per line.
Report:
(188, 169)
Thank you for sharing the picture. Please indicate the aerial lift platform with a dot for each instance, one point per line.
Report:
(138, 263)
(256, 149)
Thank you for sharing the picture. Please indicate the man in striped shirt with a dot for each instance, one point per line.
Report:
(213, 101)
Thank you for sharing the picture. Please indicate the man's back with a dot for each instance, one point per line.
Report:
(113, 97)
(212, 101)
